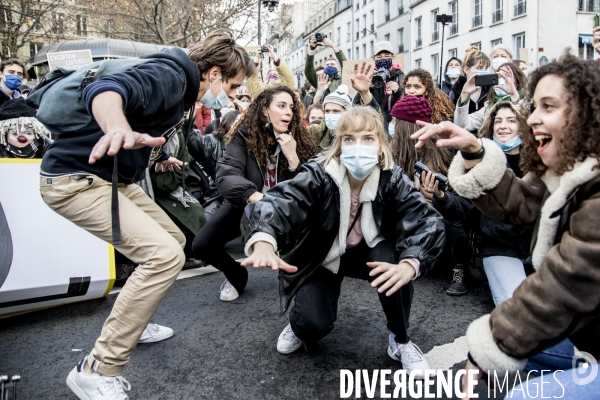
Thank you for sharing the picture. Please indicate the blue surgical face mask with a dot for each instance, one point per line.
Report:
(330, 71)
(245, 104)
(500, 92)
(331, 121)
(13, 82)
(392, 129)
(453, 73)
(511, 144)
(526, 73)
(359, 160)
(215, 103)
(479, 71)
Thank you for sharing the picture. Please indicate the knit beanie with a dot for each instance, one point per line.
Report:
(412, 108)
(339, 96)
(16, 108)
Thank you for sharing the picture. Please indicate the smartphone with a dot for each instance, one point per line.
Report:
(442, 179)
(486, 80)
(596, 20)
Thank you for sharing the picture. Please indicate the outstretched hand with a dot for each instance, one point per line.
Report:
(322, 82)
(449, 135)
(361, 82)
(114, 140)
(264, 256)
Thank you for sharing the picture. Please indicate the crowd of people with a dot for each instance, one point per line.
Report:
(404, 177)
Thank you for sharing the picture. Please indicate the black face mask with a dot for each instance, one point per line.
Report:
(23, 152)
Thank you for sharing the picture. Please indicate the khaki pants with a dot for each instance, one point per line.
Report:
(149, 238)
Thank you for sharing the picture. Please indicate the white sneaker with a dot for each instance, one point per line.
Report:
(409, 355)
(155, 333)
(228, 292)
(96, 386)
(288, 342)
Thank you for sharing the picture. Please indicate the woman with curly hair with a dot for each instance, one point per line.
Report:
(266, 146)
(560, 197)
(419, 82)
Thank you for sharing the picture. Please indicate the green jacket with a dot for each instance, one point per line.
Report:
(320, 134)
(311, 74)
(168, 192)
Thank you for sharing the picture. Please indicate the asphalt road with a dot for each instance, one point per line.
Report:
(228, 350)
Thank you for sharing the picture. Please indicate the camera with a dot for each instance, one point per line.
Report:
(264, 49)
(443, 180)
(380, 78)
(320, 36)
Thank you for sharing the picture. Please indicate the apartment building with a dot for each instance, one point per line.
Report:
(535, 30)
(393, 17)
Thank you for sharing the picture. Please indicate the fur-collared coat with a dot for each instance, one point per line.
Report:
(307, 219)
(562, 299)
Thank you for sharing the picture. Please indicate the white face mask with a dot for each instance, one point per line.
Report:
(453, 73)
(215, 103)
(359, 160)
(499, 61)
(331, 121)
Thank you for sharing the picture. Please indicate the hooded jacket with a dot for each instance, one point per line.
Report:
(446, 84)
(239, 175)
(155, 95)
(307, 219)
(561, 299)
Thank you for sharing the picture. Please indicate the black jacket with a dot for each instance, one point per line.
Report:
(457, 90)
(303, 215)
(446, 84)
(494, 238)
(155, 95)
(385, 102)
(206, 149)
(238, 172)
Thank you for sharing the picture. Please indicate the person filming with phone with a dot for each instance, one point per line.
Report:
(267, 146)
(331, 78)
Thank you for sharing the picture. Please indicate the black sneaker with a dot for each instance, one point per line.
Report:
(461, 282)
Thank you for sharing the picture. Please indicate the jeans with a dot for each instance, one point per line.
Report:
(209, 244)
(548, 387)
(457, 241)
(315, 306)
(504, 274)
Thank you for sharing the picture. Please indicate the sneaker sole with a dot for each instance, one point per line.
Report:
(289, 350)
(395, 358)
(228, 298)
(457, 293)
(155, 339)
(74, 388)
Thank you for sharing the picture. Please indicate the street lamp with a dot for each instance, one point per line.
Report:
(444, 20)
(270, 5)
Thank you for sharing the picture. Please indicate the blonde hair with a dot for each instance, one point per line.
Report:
(501, 47)
(357, 119)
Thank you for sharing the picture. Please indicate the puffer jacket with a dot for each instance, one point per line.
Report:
(239, 175)
(307, 219)
(562, 298)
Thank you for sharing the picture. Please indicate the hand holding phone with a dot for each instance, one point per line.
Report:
(442, 179)
(486, 80)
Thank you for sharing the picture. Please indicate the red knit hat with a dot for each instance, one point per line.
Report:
(412, 108)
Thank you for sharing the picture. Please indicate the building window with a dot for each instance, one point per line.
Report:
(59, 23)
(418, 25)
(81, 26)
(519, 44)
(435, 62)
(496, 42)
(454, 13)
(520, 7)
(589, 5)
(477, 19)
(339, 36)
(497, 11)
(400, 7)
(478, 44)
(418, 63)
(356, 53)
(357, 31)
(386, 9)
(372, 20)
(372, 49)
(401, 40)
(364, 51)
(364, 22)
(453, 53)
(349, 33)
(435, 35)
(386, 37)
(34, 48)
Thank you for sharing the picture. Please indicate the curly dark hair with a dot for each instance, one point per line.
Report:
(441, 106)
(581, 134)
(487, 129)
(257, 135)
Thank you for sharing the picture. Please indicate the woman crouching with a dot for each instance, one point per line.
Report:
(351, 213)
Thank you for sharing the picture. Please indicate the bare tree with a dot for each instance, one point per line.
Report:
(23, 21)
(173, 22)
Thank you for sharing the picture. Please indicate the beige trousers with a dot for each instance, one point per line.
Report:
(149, 239)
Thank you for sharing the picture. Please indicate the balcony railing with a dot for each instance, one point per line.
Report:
(400, 10)
(387, 17)
(401, 48)
(477, 21)
(454, 29)
(496, 16)
(520, 8)
(418, 43)
(589, 6)
(435, 36)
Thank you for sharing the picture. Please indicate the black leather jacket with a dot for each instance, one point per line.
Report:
(303, 214)
(238, 172)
